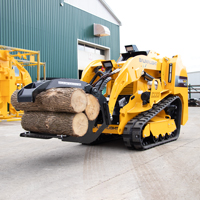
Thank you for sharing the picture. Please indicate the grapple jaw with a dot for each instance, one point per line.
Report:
(29, 93)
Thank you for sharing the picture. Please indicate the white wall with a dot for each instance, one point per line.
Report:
(94, 7)
(194, 79)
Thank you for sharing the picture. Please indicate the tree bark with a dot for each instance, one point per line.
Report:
(55, 123)
(92, 108)
(71, 100)
(27, 106)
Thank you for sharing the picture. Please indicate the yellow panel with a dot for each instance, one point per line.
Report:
(146, 131)
(32, 58)
(112, 129)
(162, 127)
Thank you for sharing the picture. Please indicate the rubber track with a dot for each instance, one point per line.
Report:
(133, 130)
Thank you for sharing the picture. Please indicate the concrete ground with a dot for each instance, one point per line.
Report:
(51, 169)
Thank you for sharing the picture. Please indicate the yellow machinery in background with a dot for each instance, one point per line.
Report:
(14, 76)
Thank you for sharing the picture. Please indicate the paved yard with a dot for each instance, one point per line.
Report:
(51, 169)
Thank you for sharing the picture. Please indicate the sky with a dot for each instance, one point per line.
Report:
(167, 27)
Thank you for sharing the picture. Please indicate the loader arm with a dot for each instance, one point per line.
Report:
(131, 71)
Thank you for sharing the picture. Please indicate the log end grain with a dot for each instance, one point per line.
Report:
(79, 101)
(80, 124)
(92, 108)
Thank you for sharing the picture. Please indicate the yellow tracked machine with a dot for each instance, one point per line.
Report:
(143, 99)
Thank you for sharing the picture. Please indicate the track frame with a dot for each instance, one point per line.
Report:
(132, 135)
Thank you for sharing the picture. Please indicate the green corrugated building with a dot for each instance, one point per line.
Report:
(68, 33)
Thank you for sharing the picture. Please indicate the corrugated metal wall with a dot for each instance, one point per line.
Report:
(46, 26)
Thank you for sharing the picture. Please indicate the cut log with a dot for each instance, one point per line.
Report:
(92, 108)
(24, 105)
(71, 100)
(55, 123)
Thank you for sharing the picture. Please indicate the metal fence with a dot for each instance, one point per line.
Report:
(193, 89)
